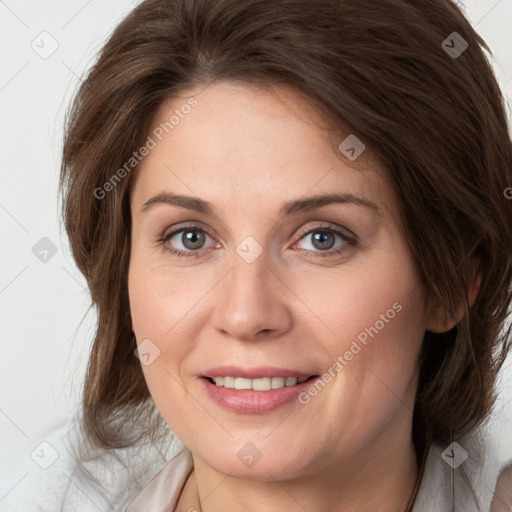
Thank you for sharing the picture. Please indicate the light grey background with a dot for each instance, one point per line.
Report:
(44, 351)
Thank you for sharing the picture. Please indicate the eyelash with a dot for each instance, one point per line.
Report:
(350, 242)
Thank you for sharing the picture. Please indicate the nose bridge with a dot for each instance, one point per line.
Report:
(249, 261)
(247, 300)
(247, 281)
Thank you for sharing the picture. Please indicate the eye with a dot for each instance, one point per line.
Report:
(185, 242)
(322, 239)
(189, 241)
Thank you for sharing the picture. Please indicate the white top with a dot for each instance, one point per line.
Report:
(148, 478)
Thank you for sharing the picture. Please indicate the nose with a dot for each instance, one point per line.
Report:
(251, 301)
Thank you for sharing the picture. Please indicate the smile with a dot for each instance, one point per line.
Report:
(260, 384)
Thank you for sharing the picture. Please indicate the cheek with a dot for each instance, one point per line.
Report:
(163, 298)
(377, 328)
(372, 323)
(164, 309)
(378, 303)
(159, 316)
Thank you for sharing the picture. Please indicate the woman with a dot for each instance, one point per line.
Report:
(295, 215)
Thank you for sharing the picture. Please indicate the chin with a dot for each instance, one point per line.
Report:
(246, 461)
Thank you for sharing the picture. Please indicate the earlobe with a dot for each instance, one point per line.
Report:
(439, 321)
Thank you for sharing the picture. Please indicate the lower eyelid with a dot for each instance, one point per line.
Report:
(348, 240)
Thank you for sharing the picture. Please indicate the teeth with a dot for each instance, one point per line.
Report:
(229, 382)
(241, 383)
(278, 382)
(262, 384)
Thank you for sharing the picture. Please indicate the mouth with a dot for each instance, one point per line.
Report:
(254, 390)
(258, 384)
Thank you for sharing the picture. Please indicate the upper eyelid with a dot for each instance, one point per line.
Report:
(338, 229)
(301, 233)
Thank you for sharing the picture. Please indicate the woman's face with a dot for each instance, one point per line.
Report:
(265, 284)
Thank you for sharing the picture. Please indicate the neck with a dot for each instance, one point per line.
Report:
(382, 477)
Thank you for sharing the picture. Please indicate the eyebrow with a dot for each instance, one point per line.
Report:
(288, 208)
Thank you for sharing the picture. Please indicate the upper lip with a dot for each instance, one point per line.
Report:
(255, 372)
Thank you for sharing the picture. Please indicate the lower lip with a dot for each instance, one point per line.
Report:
(246, 401)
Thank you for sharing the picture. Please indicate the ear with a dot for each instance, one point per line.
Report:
(438, 320)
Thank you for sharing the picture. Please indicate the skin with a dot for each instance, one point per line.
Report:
(247, 151)
(502, 500)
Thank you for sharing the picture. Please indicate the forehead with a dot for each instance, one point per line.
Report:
(263, 144)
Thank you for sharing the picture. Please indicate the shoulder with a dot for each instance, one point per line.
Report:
(37, 477)
(56, 476)
(164, 490)
(460, 476)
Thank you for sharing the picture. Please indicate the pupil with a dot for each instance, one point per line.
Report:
(320, 238)
(192, 239)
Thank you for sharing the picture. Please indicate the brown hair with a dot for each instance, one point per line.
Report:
(435, 120)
